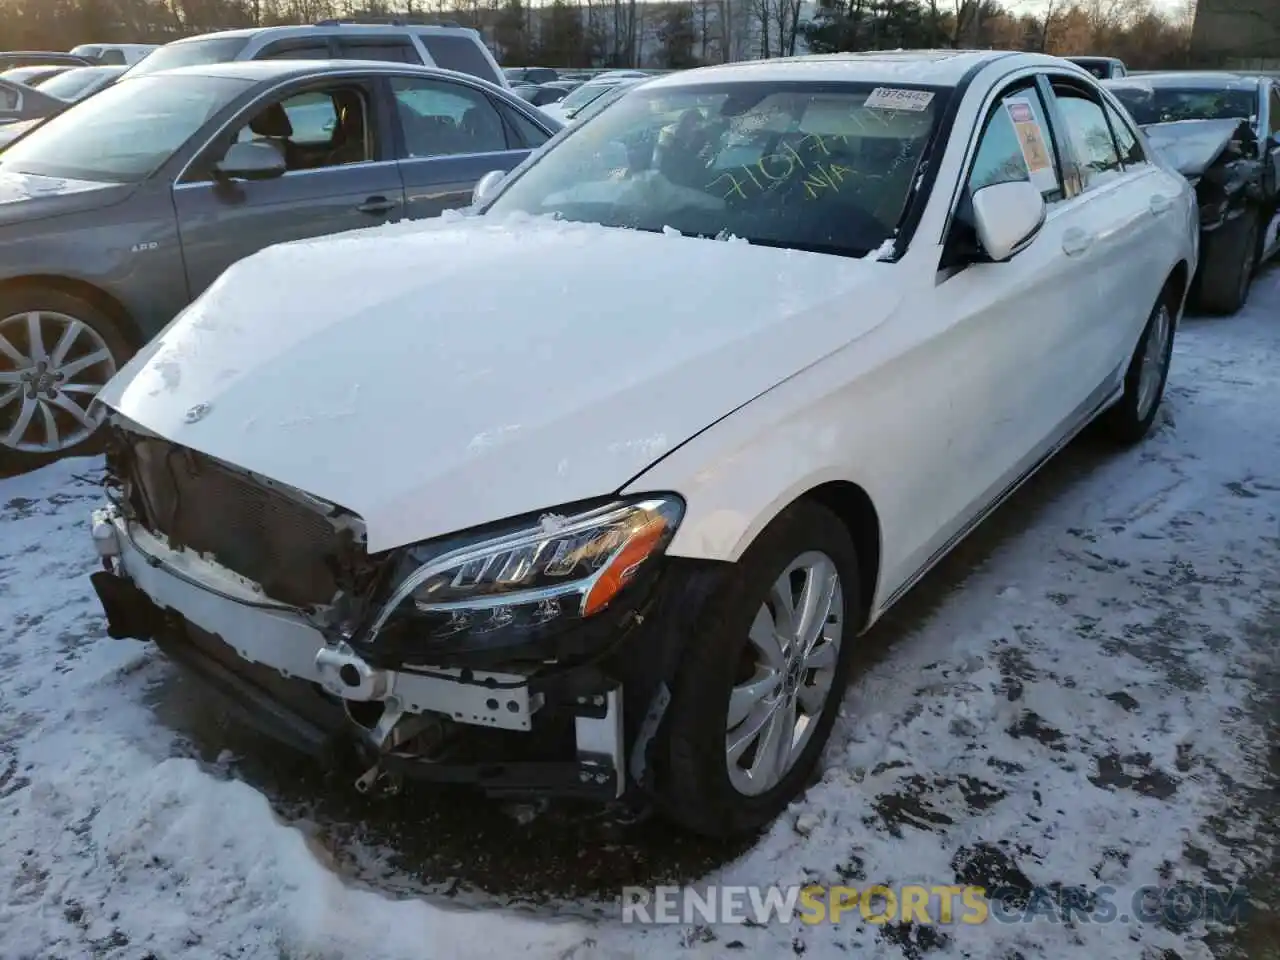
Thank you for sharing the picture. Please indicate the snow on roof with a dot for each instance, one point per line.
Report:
(935, 67)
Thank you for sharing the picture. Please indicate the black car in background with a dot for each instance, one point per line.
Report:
(1222, 131)
(1104, 68)
(533, 76)
(540, 96)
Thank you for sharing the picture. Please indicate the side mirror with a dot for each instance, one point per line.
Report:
(251, 160)
(1006, 217)
(487, 186)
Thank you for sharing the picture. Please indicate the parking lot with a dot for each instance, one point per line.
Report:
(1084, 693)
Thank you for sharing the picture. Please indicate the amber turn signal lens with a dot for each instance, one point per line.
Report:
(619, 571)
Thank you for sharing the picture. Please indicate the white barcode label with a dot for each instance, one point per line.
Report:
(897, 98)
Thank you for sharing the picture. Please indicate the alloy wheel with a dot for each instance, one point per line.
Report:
(51, 367)
(1154, 354)
(786, 675)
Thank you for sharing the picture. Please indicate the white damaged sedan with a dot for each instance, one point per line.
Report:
(419, 498)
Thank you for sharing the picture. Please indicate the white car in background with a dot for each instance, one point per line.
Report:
(617, 537)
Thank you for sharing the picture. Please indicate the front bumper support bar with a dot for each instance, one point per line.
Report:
(265, 663)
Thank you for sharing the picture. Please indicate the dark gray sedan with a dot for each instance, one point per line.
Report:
(119, 211)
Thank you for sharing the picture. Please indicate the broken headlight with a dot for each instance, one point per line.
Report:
(533, 575)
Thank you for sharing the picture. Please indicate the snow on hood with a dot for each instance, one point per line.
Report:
(435, 376)
(1191, 145)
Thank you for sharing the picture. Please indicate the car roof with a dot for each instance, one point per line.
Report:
(337, 28)
(276, 69)
(931, 67)
(1190, 80)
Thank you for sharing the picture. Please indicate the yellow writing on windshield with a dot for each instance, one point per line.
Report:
(805, 160)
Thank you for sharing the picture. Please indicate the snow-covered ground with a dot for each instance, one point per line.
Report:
(1077, 697)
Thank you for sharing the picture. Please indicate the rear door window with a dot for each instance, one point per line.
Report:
(390, 50)
(459, 53)
(441, 119)
(295, 50)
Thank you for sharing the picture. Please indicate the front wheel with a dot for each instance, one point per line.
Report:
(758, 693)
(1130, 419)
(56, 352)
(1228, 264)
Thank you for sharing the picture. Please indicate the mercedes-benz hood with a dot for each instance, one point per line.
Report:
(1192, 146)
(432, 377)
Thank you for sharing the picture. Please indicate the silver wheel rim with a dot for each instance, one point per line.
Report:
(787, 672)
(1153, 360)
(51, 367)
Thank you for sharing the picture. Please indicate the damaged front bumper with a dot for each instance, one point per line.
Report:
(505, 732)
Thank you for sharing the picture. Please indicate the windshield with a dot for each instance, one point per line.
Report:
(584, 95)
(190, 53)
(126, 132)
(825, 168)
(613, 94)
(70, 84)
(92, 51)
(1168, 104)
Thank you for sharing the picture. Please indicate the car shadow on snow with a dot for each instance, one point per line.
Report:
(454, 842)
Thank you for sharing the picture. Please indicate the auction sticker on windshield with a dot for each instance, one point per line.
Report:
(1031, 138)
(897, 98)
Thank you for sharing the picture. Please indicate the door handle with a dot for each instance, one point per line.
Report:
(1160, 204)
(376, 205)
(1075, 242)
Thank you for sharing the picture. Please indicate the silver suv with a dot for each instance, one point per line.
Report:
(398, 41)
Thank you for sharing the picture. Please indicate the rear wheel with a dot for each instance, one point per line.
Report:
(758, 693)
(56, 352)
(1229, 261)
(1130, 419)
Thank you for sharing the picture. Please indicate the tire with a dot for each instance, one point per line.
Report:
(1229, 263)
(1130, 419)
(26, 396)
(699, 791)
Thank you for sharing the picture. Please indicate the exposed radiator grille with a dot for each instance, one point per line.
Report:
(249, 528)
